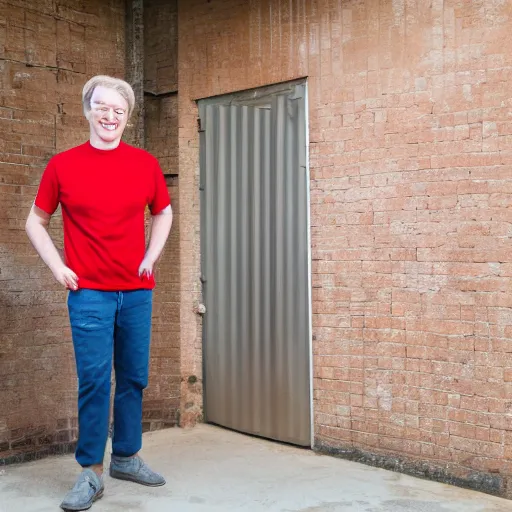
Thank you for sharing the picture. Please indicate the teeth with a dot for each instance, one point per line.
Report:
(109, 127)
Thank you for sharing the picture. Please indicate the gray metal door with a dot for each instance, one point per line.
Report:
(255, 262)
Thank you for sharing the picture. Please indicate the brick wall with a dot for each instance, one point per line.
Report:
(410, 212)
(162, 399)
(182, 373)
(47, 51)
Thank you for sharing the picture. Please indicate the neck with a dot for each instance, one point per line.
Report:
(98, 143)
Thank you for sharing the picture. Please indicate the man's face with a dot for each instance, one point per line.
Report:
(108, 116)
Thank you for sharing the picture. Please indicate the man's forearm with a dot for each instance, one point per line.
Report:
(43, 244)
(160, 228)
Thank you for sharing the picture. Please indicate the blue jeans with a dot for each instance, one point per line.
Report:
(106, 326)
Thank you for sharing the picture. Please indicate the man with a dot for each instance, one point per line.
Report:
(104, 187)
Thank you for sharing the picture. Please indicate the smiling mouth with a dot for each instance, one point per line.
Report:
(109, 127)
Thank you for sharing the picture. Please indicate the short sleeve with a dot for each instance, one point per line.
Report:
(160, 199)
(47, 197)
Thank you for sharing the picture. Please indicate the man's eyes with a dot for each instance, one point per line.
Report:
(118, 111)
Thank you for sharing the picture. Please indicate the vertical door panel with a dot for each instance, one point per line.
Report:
(255, 264)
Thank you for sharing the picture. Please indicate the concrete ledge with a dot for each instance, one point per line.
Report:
(488, 483)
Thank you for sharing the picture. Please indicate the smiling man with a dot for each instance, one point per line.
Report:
(104, 187)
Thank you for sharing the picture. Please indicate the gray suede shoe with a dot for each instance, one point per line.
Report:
(87, 489)
(134, 469)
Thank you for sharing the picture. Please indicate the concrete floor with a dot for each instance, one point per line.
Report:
(213, 470)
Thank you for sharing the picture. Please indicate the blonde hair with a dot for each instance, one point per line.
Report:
(122, 87)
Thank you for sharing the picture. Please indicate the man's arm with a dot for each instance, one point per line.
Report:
(37, 231)
(160, 228)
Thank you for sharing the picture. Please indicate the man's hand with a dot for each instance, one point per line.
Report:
(66, 277)
(146, 268)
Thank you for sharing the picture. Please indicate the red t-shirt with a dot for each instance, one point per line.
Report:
(104, 194)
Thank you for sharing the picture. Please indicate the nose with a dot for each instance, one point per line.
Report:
(110, 115)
